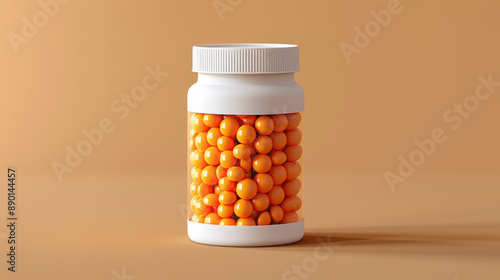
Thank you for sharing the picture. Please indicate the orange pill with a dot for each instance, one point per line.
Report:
(197, 123)
(243, 208)
(293, 120)
(292, 187)
(201, 208)
(209, 175)
(212, 219)
(293, 170)
(193, 189)
(213, 136)
(225, 211)
(229, 126)
(278, 157)
(279, 140)
(217, 190)
(290, 217)
(293, 137)
(227, 222)
(245, 222)
(276, 195)
(198, 218)
(204, 189)
(264, 182)
(201, 141)
(278, 173)
(261, 163)
(192, 134)
(280, 122)
(293, 153)
(226, 185)
(246, 134)
(292, 203)
(212, 120)
(211, 199)
(246, 164)
(221, 172)
(192, 145)
(227, 159)
(212, 156)
(242, 151)
(264, 219)
(263, 144)
(235, 173)
(227, 197)
(225, 143)
(249, 120)
(192, 203)
(196, 175)
(246, 189)
(197, 158)
(264, 125)
(260, 202)
(276, 213)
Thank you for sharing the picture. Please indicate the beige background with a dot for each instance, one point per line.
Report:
(121, 207)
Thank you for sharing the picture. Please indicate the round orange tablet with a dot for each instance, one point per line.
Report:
(242, 151)
(260, 202)
(225, 210)
(278, 157)
(229, 126)
(212, 156)
(227, 222)
(250, 119)
(213, 136)
(211, 199)
(212, 219)
(276, 195)
(201, 208)
(245, 222)
(246, 134)
(235, 173)
(280, 122)
(204, 189)
(292, 203)
(263, 144)
(292, 187)
(217, 190)
(221, 172)
(201, 141)
(209, 175)
(193, 189)
(264, 182)
(212, 120)
(246, 164)
(227, 159)
(197, 158)
(293, 137)
(226, 184)
(278, 173)
(198, 218)
(292, 170)
(293, 120)
(192, 145)
(192, 204)
(261, 163)
(192, 134)
(290, 217)
(243, 208)
(279, 140)
(246, 189)
(196, 175)
(197, 123)
(276, 213)
(264, 125)
(227, 197)
(264, 219)
(293, 153)
(225, 143)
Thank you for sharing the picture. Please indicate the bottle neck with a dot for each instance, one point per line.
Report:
(260, 79)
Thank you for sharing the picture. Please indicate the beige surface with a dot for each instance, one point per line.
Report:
(120, 207)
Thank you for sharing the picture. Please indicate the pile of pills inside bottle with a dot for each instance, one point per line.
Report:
(245, 169)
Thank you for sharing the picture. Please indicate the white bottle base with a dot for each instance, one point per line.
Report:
(245, 235)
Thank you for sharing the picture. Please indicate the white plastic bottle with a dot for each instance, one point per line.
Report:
(245, 154)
